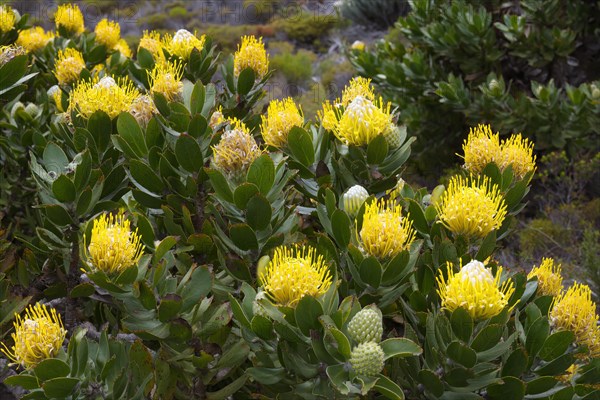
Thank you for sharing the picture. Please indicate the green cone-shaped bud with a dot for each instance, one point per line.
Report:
(367, 359)
(354, 198)
(392, 136)
(366, 326)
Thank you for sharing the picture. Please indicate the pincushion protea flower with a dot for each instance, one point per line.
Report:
(236, 151)
(34, 38)
(251, 53)
(472, 207)
(151, 41)
(70, 18)
(38, 336)
(165, 79)
(108, 33)
(8, 18)
(123, 48)
(69, 64)
(113, 246)
(385, 232)
(183, 43)
(143, 109)
(548, 277)
(517, 152)
(112, 97)
(282, 116)
(295, 272)
(575, 311)
(475, 289)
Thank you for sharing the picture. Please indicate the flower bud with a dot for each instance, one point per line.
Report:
(367, 359)
(354, 198)
(366, 325)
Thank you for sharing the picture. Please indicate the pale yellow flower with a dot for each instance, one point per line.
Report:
(123, 48)
(34, 39)
(282, 116)
(548, 277)
(112, 97)
(166, 80)
(236, 151)
(183, 43)
(151, 41)
(251, 54)
(70, 18)
(481, 147)
(108, 33)
(518, 153)
(8, 18)
(68, 66)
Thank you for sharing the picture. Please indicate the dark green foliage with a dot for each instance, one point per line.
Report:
(381, 13)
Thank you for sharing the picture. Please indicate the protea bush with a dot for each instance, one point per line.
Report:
(162, 238)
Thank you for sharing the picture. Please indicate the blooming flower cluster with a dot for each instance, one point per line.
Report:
(251, 54)
(281, 117)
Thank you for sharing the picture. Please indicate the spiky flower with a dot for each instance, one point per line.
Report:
(472, 207)
(112, 97)
(475, 289)
(481, 147)
(357, 87)
(518, 153)
(366, 325)
(143, 109)
(113, 246)
(68, 66)
(151, 41)
(282, 116)
(251, 54)
(385, 232)
(575, 311)
(38, 335)
(363, 120)
(108, 33)
(295, 272)
(354, 198)
(70, 18)
(183, 43)
(7, 53)
(367, 359)
(548, 277)
(236, 151)
(123, 48)
(8, 18)
(34, 39)
(56, 94)
(165, 79)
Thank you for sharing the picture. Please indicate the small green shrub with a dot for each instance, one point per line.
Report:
(306, 27)
(381, 13)
(296, 67)
(179, 12)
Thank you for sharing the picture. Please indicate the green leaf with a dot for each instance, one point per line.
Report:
(338, 376)
(57, 214)
(51, 368)
(64, 189)
(262, 173)
(100, 127)
(536, 336)
(300, 144)
(431, 382)
(83, 172)
(219, 184)
(12, 71)
(417, 216)
(243, 237)
(307, 313)
(246, 81)
(258, 212)
(388, 388)
(511, 388)
(146, 177)
(462, 354)
(556, 345)
(263, 327)
(165, 245)
(516, 364)
(340, 225)
(169, 306)
(28, 382)
(377, 150)
(541, 385)
(197, 98)
(144, 57)
(400, 347)
(266, 376)
(487, 338)
(82, 290)
(243, 193)
(55, 159)
(462, 324)
(59, 387)
(343, 344)
(394, 270)
(130, 131)
(487, 247)
(188, 153)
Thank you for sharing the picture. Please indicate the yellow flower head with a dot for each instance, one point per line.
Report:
(575, 311)
(7, 53)
(282, 116)
(548, 276)
(517, 152)
(475, 289)
(123, 48)
(166, 80)
(56, 94)
(358, 45)
(385, 232)
(8, 18)
(363, 120)
(34, 39)
(113, 246)
(357, 87)
(295, 272)
(251, 54)
(112, 97)
(68, 66)
(151, 42)
(69, 16)
(236, 151)
(183, 42)
(143, 109)
(481, 148)
(471, 207)
(108, 33)
(38, 336)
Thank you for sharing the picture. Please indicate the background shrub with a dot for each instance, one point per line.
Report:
(381, 13)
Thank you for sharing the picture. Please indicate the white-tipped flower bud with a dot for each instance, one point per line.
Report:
(354, 198)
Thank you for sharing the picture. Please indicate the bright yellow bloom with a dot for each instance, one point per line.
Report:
(517, 152)
(143, 109)
(69, 16)
(236, 151)
(112, 97)
(251, 54)
(108, 33)
(38, 336)
(8, 18)
(34, 39)
(481, 148)
(471, 207)
(295, 272)
(282, 116)
(7, 53)
(357, 87)
(166, 80)
(548, 276)
(123, 48)
(68, 66)
(575, 311)
(183, 43)
(363, 120)
(151, 42)
(475, 289)
(385, 232)
(113, 246)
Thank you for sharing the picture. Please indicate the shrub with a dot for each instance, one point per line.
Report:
(296, 67)
(498, 62)
(381, 13)
(306, 27)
